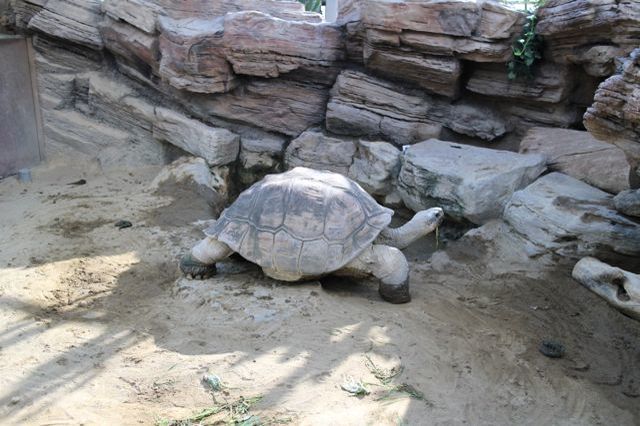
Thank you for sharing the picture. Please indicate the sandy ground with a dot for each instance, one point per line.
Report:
(98, 327)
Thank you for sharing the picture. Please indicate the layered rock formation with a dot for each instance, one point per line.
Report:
(254, 87)
(590, 33)
(615, 115)
(424, 42)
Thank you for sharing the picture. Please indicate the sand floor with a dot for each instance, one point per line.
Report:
(98, 327)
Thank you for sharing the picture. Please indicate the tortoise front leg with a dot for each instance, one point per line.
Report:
(201, 262)
(388, 265)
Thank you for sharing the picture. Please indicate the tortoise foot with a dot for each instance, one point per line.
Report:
(195, 269)
(398, 293)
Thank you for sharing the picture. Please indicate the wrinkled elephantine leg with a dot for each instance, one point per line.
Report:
(201, 262)
(387, 264)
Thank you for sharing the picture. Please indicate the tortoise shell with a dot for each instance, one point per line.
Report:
(301, 223)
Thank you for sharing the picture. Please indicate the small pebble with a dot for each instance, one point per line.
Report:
(121, 224)
(551, 349)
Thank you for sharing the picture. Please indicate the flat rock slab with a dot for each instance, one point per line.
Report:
(216, 145)
(580, 155)
(467, 182)
(562, 214)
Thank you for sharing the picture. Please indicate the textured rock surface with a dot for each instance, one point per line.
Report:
(376, 166)
(73, 20)
(436, 74)
(117, 104)
(544, 114)
(142, 14)
(467, 182)
(279, 46)
(289, 9)
(362, 105)
(614, 116)
(217, 146)
(315, 150)
(193, 55)
(580, 155)
(478, 32)
(566, 216)
(280, 105)
(131, 44)
(628, 202)
(476, 120)
(551, 83)
(422, 42)
(591, 33)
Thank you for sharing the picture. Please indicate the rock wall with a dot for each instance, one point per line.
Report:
(256, 86)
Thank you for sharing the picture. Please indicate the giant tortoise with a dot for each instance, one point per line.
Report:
(306, 223)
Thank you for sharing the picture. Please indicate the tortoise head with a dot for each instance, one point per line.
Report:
(430, 219)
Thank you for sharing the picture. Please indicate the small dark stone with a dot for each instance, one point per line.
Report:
(121, 224)
(551, 349)
(78, 182)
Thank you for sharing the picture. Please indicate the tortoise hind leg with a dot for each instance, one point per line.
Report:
(388, 265)
(201, 262)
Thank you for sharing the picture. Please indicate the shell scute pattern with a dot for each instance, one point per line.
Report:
(303, 221)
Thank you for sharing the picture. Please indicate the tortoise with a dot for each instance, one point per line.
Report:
(307, 223)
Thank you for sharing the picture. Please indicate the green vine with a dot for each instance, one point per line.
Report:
(527, 49)
(312, 5)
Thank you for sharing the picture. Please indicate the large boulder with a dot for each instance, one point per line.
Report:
(362, 105)
(566, 216)
(318, 151)
(73, 20)
(591, 33)
(217, 146)
(579, 154)
(467, 182)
